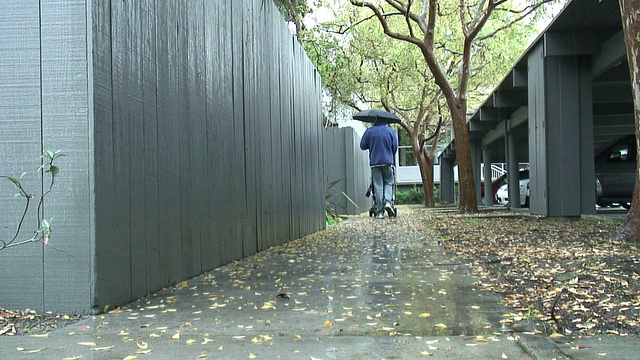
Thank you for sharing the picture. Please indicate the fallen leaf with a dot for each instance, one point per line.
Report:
(32, 351)
(87, 343)
(424, 315)
(176, 336)
(328, 324)
(191, 342)
(103, 348)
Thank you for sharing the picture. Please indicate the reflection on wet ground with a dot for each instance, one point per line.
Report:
(362, 277)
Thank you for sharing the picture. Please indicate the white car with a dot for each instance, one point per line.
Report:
(502, 195)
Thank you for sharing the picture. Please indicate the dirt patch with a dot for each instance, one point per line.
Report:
(29, 322)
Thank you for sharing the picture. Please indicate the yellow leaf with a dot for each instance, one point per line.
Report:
(426, 353)
(103, 348)
(34, 351)
(328, 324)
(556, 335)
(192, 342)
(472, 345)
(72, 358)
(176, 336)
(87, 343)
(130, 357)
(142, 345)
(251, 356)
(143, 352)
(202, 356)
(441, 326)
(424, 315)
(504, 356)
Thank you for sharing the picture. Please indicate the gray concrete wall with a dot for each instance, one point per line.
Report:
(193, 136)
(347, 164)
(44, 92)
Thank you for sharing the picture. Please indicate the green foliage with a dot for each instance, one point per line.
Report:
(413, 196)
(43, 233)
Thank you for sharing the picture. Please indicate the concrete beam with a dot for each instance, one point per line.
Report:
(520, 77)
(569, 43)
(611, 53)
(513, 98)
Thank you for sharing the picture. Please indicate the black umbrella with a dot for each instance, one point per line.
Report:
(374, 115)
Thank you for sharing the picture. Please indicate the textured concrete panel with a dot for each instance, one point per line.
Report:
(193, 136)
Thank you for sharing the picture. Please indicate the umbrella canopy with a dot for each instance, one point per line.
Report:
(377, 115)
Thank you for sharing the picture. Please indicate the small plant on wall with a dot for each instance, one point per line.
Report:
(43, 233)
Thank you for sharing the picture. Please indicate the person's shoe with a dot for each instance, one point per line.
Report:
(390, 210)
(380, 216)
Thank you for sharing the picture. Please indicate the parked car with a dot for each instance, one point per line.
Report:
(616, 173)
(499, 182)
(502, 195)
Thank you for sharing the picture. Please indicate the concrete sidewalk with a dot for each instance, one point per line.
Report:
(363, 289)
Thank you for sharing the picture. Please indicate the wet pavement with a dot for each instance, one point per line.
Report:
(362, 289)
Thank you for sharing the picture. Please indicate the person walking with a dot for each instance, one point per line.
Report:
(382, 142)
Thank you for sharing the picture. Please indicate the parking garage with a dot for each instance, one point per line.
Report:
(566, 100)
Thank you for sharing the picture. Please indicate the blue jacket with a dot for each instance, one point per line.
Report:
(382, 142)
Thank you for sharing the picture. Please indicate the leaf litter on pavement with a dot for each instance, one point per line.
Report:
(562, 276)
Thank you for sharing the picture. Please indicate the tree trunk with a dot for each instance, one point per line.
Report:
(630, 10)
(426, 174)
(468, 201)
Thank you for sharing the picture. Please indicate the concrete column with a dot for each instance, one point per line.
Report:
(447, 184)
(560, 135)
(488, 180)
(513, 172)
(476, 161)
